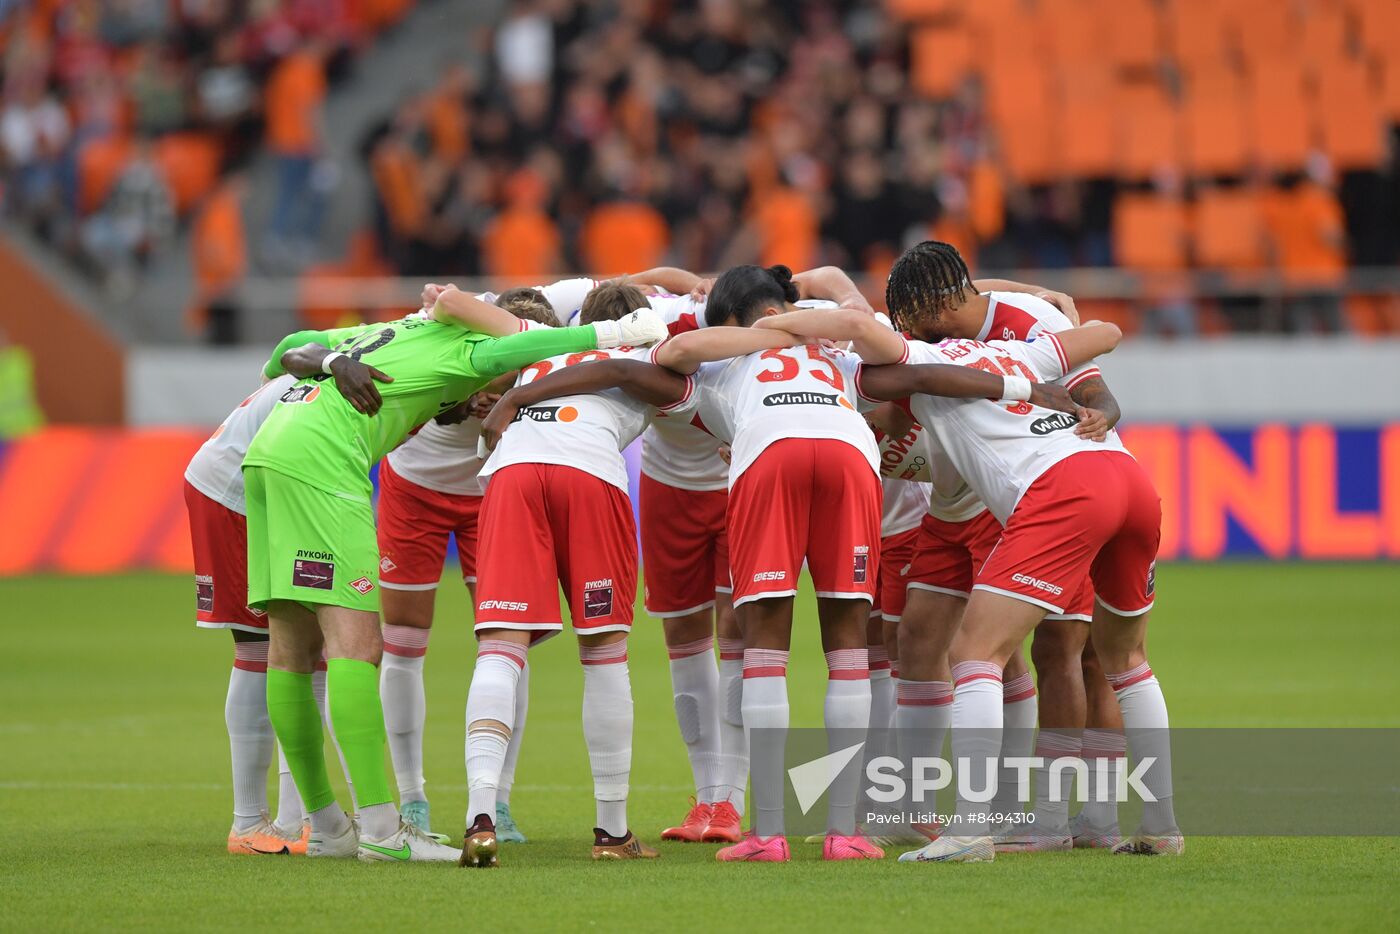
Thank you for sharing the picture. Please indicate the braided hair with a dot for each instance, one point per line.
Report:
(743, 292)
(929, 279)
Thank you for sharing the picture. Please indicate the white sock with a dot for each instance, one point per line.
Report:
(490, 710)
(250, 737)
(1145, 723)
(695, 691)
(922, 717)
(1053, 788)
(846, 714)
(290, 811)
(329, 821)
(401, 691)
(607, 729)
(977, 710)
(1018, 712)
(517, 736)
(378, 821)
(882, 689)
(1103, 752)
(733, 744)
(318, 690)
(765, 707)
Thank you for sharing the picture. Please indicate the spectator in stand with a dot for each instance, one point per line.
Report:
(1309, 249)
(34, 134)
(134, 225)
(220, 261)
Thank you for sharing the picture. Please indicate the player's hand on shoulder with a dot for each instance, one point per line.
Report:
(356, 380)
(701, 292)
(1093, 425)
(1053, 396)
(1061, 301)
(725, 454)
(498, 420)
(480, 404)
(432, 290)
(456, 415)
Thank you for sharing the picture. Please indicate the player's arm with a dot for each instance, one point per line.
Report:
(491, 358)
(1086, 342)
(1059, 299)
(670, 278)
(645, 382)
(1098, 401)
(453, 306)
(888, 383)
(874, 342)
(684, 353)
(832, 283)
(354, 379)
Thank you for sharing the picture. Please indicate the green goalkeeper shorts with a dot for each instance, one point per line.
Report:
(308, 545)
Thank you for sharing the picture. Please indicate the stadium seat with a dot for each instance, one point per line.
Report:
(1390, 89)
(1133, 35)
(1378, 23)
(1264, 28)
(622, 237)
(986, 200)
(788, 228)
(1074, 31)
(940, 57)
(1151, 134)
(1088, 130)
(1281, 114)
(1228, 229)
(1150, 232)
(1197, 32)
(190, 163)
(1217, 136)
(1349, 109)
(1323, 33)
(100, 162)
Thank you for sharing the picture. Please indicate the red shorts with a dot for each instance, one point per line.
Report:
(1093, 514)
(414, 525)
(685, 547)
(948, 554)
(542, 526)
(807, 498)
(220, 539)
(896, 558)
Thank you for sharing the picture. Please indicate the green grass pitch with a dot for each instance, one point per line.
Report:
(114, 797)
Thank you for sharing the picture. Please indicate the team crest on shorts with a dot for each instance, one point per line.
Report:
(598, 598)
(363, 585)
(861, 564)
(314, 569)
(204, 593)
(386, 565)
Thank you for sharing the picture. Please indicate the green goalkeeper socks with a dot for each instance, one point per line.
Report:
(352, 692)
(292, 709)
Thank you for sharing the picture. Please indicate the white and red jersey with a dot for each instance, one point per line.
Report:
(1016, 316)
(674, 451)
(1000, 449)
(588, 431)
(798, 392)
(1011, 316)
(903, 506)
(216, 470)
(444, 458)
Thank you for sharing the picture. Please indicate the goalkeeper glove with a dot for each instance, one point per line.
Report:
(642, 327)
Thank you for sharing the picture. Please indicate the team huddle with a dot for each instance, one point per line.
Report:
(948, 476)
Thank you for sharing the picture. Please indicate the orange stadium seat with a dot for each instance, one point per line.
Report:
(1265, 28)
(1027, 146)
(788, 228)
(1228, 229)
(100, 162)
(1151, 134)
(1150, 232)
(1390, 89)
(1197, 32)
(1216, 137)
(522, 243)
(1074, 31)
(190, 162)
(992, 17)
(1324, 33)
(986, 200)
(1378, 25)
(1088, 128)
(1280, 114)
(940, 57)
(1133, 34)
(1349, 109)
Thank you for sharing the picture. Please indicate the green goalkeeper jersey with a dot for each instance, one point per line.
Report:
(316, 436)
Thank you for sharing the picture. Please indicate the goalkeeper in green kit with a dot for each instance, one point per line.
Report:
(312, 554)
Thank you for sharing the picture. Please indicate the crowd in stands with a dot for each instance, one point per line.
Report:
(122, 119)
(1162, 136)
